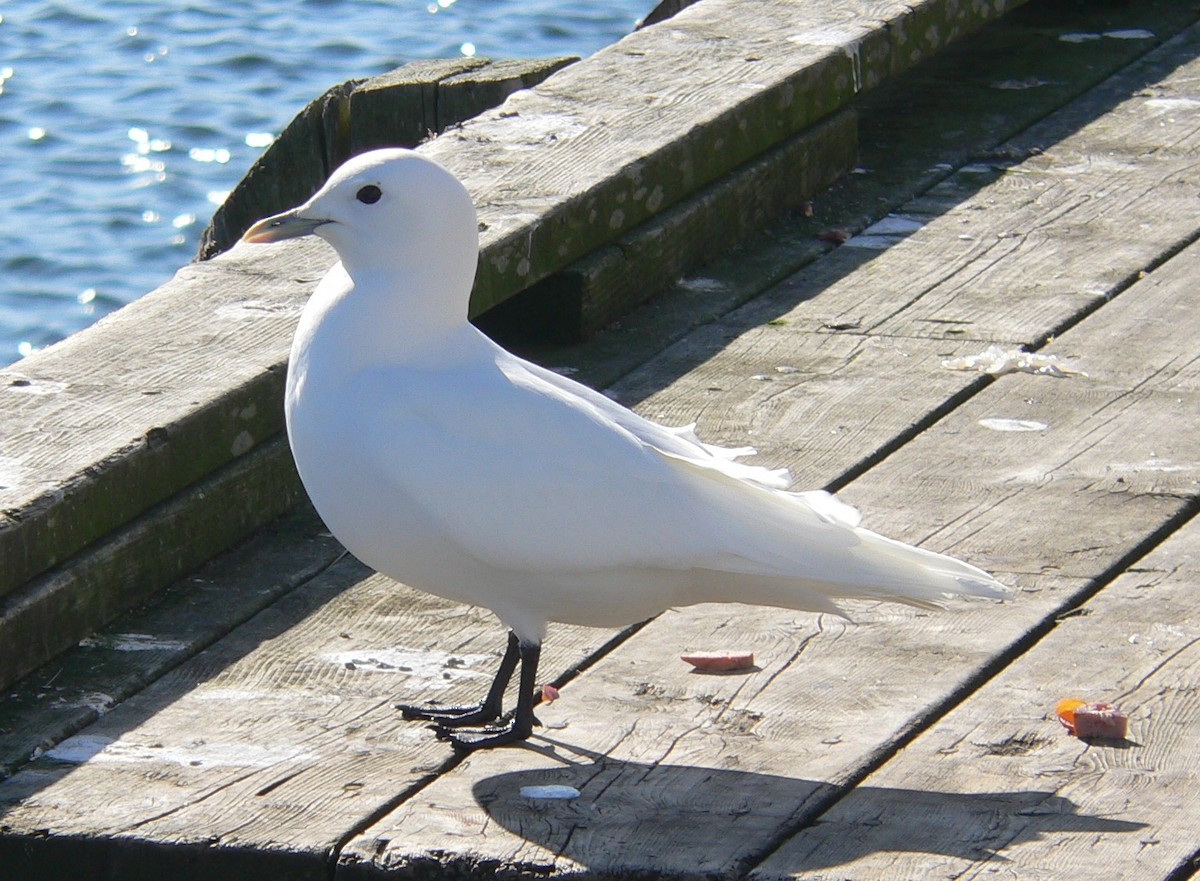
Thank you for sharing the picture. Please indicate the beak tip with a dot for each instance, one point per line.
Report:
(288, 225)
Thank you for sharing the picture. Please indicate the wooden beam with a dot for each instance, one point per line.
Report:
(670, 761)
(187, 379)
(999, 781)
(401, 108)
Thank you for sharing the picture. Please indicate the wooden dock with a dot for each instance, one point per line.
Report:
(1034, 184)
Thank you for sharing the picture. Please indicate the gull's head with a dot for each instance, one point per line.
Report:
(386, 209)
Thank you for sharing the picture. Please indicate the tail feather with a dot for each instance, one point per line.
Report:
(806, 550)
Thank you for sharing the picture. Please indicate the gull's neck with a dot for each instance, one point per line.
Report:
(404, 306)
(384, 317)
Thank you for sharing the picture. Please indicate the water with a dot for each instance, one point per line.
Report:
(124, 123)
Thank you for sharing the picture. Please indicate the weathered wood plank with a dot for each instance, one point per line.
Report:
(957, 108)
(655, 749)
(682, 774)
(200, 478)
(646, 742)
(53, 611)
(774, 348)
(819, 786)
(998, 781)
(1084, 432)
(586, 296)
(644, 145)
(464, 95)
(1012, 501)
(112, 665)
(763, 73)
(1028, 504)
(397, 109)
(280, 738)
(98, 429)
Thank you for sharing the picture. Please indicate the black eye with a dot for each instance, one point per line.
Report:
(369, 195)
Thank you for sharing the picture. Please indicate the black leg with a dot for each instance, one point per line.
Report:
(487, 710)
(519, 727)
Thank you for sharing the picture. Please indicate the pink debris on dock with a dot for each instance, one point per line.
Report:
(1099, 719)
(720, 662)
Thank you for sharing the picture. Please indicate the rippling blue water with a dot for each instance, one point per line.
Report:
(123, 123)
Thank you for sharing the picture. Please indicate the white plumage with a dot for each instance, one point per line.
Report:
(452, 465)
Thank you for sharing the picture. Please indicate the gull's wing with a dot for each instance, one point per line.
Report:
(529, 471)
(681, 441)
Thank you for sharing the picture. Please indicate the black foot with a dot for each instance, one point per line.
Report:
(451, 717)
(457, 724)
(468, 740)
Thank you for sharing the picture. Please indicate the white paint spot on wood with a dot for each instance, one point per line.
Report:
(997, 424)
(1161, 466)
(1169, 105)
(886, 232)
(132, 642)
(871, 243)
(894, 225)
(998, 360)
(432, 669)
(548, 126)
(243, 443)
(79, 749)
(13, 472)
(550, 791)
(24, 386)
(259, 697)
(97, 701)
(195, 753)
(1130, 34)
(834, 34)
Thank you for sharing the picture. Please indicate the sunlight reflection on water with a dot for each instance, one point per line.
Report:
(122, 124)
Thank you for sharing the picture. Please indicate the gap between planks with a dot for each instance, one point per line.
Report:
(270, 790)
(1135, 645)
(1171, 519)
(654, 752)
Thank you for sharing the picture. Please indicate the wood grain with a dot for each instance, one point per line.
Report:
(856, 692)
(115, 663)
(58, 608)
(111, 421)
(115, 420)
(959, 107)
(1055, 509)
(282, 727)
(999, 783)
(302, 762)
(400, 108)
(588, 295)
(645, 132)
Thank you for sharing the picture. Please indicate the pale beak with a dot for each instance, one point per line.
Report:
(288, 225)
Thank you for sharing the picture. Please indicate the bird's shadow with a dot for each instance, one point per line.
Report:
(663, 820)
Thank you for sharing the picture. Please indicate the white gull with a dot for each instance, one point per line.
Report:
(446, 462)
